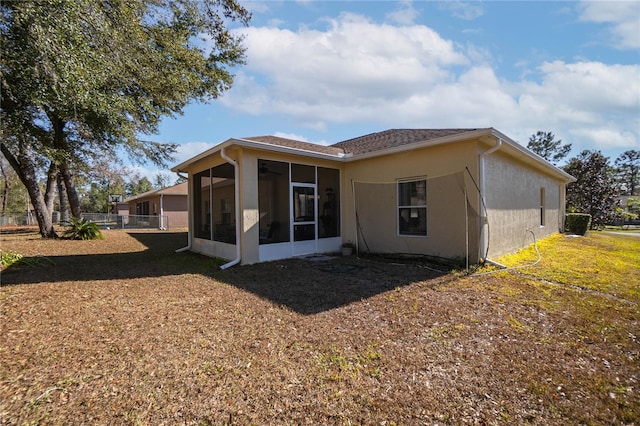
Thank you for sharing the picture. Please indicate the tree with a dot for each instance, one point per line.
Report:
(138, 185)
(545, 145)
(84, 78)
(14, 195)
(6, 186)
(25, 166)
(103, 179)
(594, 191)
(161, 180)
(180, 179)
(628, 172)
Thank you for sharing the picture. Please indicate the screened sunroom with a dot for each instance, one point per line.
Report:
(299, 209)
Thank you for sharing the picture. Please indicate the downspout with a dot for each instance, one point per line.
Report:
(162, 228)
(236, 174)
(484, 240)
(188, 247)
(562, 211)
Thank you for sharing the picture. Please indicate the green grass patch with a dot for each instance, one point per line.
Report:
(602, 262)
(8, 258)
(16, 260)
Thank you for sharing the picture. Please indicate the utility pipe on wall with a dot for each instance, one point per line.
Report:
(484, 240)
(236, 174)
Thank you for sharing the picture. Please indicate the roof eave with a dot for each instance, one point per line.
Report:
(523, 153)
(529, 156)
(144, 194)
(473, 134)
(182, 166)
(246, 143)
(534, 159)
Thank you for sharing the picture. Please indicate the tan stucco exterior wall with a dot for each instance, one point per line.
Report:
(453, 202)
(446, 211)
(513, 198)
(175, 208)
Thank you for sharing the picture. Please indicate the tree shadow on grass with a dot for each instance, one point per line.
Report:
(304, 286)
(159, 259)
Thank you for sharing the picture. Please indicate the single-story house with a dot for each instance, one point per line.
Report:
(120, 208)
(169, 204)
(455, 193)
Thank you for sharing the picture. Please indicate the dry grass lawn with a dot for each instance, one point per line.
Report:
(125, 331)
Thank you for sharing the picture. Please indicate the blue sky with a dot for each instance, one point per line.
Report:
(326, 71)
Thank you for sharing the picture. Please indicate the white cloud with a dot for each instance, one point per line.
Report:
(464, 9)
(255, 6)
(188, 150)
(593, 85)
(623, 16)
(406, 14)
(409, 76)
(313, 74)
(603, 138)
(291, 136)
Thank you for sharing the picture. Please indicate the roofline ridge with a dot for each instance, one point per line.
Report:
(465, 129)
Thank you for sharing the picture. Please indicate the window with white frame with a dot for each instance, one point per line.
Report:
(412, 207)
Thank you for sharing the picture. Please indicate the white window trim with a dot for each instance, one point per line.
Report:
(398, 206)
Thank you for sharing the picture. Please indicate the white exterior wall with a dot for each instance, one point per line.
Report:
(512, 196)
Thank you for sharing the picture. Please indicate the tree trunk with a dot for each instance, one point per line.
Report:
(72, 194)
(60, 143)
(50, 191)
(5, 190)
(62, 194)
(26, 170)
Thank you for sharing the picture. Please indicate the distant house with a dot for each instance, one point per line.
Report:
(630, 209)
(454, 193)
(120, 208)
(168, 204)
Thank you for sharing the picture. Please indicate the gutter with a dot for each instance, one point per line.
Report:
(236, 185)
(484, 229)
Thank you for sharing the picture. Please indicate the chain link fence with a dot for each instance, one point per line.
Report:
(104, 220)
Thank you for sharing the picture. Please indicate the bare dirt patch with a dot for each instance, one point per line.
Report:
(125, 331)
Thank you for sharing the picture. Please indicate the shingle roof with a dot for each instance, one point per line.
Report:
(393, 138)
(290, 143)
(178, 189)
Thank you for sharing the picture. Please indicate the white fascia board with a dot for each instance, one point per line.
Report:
(286, 150)
(246, 143)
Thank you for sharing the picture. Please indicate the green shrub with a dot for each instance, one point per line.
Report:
(83, 230)
(577, 223)
(8, 258)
